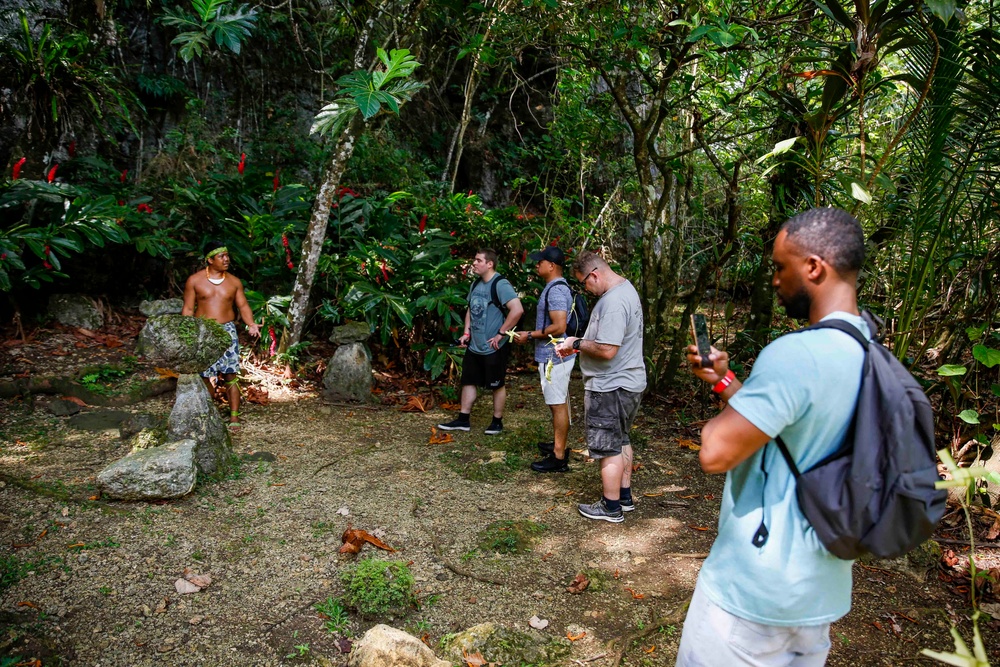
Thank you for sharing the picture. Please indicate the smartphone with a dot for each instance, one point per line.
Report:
(699, 331)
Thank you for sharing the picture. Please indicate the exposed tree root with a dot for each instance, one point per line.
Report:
(438, 551)
(673, 618)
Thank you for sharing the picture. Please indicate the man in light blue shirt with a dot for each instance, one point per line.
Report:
(769, 589)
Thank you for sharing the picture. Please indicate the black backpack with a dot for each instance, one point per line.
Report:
(495, 298)
(876, 493)
(578, 317)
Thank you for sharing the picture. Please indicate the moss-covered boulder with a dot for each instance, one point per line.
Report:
(182, 343)
(506, 646)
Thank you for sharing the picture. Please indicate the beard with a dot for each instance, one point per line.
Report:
(796, 305)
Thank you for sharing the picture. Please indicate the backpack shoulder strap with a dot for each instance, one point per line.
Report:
(554, 282)
(494, 297)
(475, 283)
(841, 325)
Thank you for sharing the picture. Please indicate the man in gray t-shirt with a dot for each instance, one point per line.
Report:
(486, 326)
(614, 376)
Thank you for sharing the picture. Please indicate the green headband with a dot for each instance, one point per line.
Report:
(217, 251)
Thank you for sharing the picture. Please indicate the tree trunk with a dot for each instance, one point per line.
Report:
(312, 244)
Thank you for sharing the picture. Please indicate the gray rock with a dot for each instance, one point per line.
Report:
(138, 422)
(63, 408)
(385, 646)
(76, 310)
(185, 344)
(147, 438)
(161, 307)
(195, 416)
(348, 375)
(507, 646)
(352, 332)
(162, 472)
(98, 420)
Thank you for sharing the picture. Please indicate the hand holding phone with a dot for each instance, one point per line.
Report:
(699, 331)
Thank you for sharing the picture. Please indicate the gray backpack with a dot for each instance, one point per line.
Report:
(876, 493)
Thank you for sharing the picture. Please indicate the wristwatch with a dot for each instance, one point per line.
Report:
(576, 343)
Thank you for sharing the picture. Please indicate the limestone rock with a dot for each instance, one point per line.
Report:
(195, 416)
(348, 375)
(507, 646)
(63, 408)
(147, 438)
(76, 310)
(185, 344)
(137, 423)
(162, 472)
(161, 307)
(385, 646)
(352, 332)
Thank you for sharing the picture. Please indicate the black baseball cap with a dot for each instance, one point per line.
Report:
(550, 253)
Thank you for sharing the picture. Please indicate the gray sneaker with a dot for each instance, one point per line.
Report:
(628, 505)
(601, 512)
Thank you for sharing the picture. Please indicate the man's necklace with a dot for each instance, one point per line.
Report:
(212, 280)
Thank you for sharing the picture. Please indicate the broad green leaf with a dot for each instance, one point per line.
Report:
(833, 9)
(995, 389)
(943, 9)
(969, 416)
(860, 193)
(368, 104)
(975, 333)
(987, 356)
(951, 370)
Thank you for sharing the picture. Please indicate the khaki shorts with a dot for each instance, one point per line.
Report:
(609, 416)
(556, 391)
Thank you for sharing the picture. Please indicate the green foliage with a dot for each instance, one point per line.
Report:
(105, 378)
(376, 587)
(13, 569)
(368, 91)
(56, 72)
(213, 20)
(510, 537)
(335, 612)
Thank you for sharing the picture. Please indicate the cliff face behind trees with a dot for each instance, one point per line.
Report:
(673, 138)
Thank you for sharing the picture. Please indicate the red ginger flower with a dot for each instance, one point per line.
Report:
(45, 262)
(52, 173)
(423, 223)
(72, 149)
(274, 341)
(17, 168)
(277, 181)
(144, 208)
(242, 164)
(124, 175)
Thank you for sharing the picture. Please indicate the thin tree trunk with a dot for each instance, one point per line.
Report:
(312, 244)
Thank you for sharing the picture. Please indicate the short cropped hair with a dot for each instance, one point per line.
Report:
(586, 262)
(210, 246)
(490, 255)
(833, 234)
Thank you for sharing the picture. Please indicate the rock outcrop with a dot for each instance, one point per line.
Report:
(168, 471)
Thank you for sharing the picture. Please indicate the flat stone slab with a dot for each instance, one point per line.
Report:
(99, 420)
(168, 471)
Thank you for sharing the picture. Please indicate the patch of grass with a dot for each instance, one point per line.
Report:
(107, 378)
(336, 614)
(598, 580)
(491, 469)
(509, 537)
(106, 543)
(321, 529)
(13, 569)
(376, 587)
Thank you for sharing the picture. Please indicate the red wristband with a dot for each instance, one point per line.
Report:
(721, 385)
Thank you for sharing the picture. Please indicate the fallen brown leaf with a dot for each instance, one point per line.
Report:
(450, 407)
(702, 528)
(635, 596)
(354, 539)
(258, 395)
(473, 659)
(416, 404)
(651, 648)
(25, 603)
(651, 495)
(74, 399)
(573, 638)
(439, 438)
(579, 584)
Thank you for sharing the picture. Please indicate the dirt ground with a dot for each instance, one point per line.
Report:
(85, 581)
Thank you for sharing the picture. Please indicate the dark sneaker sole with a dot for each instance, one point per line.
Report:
(602, 517)
(562, 469)
(445, 427)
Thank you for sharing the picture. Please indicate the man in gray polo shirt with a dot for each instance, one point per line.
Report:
(614, 378)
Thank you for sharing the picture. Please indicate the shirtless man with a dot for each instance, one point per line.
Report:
(212, 293)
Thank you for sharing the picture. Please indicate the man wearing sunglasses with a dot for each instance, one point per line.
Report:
(614, 378)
